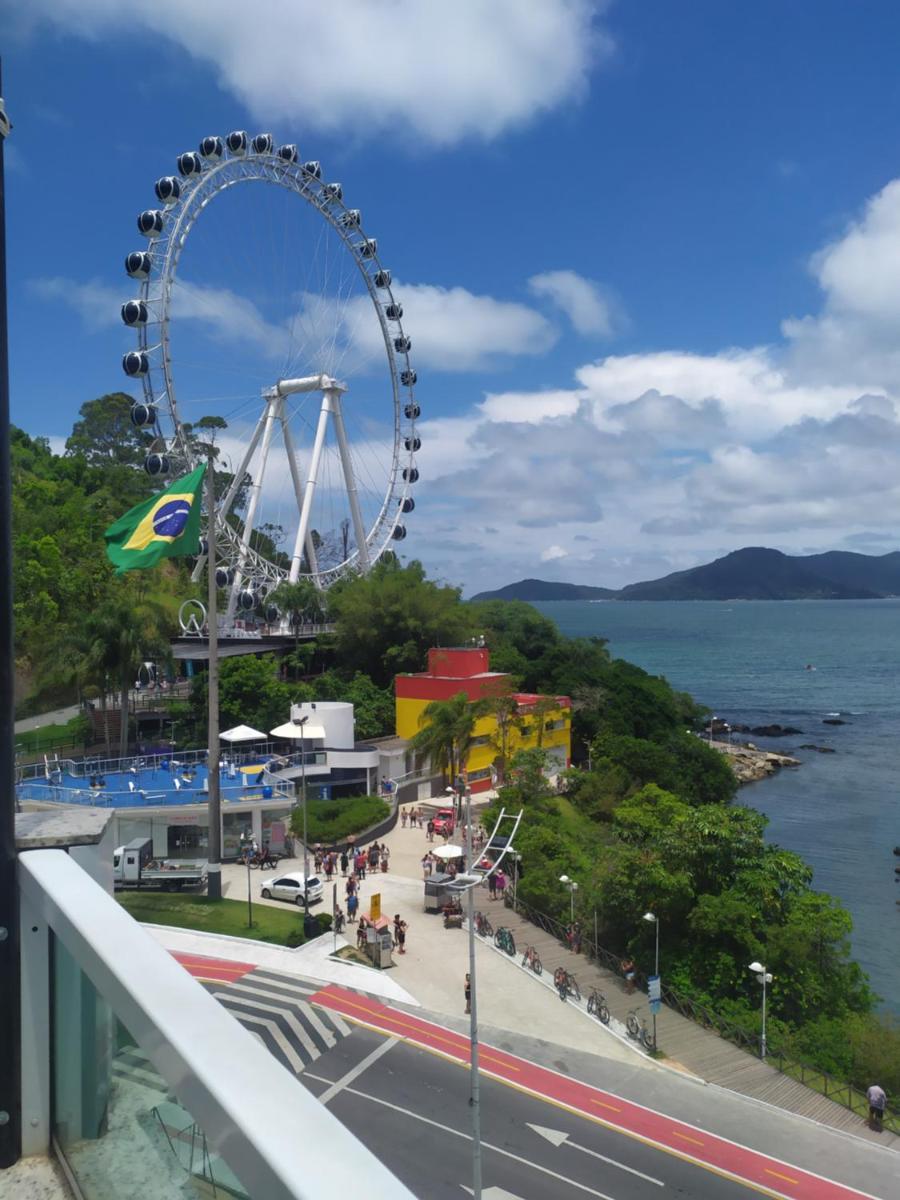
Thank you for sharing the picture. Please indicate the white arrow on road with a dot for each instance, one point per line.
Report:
(558, 1138)
(493, 1193)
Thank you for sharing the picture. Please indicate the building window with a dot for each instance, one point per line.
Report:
(560, 723)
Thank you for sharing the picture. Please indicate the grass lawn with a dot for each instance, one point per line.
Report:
(216, 916)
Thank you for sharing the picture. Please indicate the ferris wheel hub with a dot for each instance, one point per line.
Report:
(309, 383)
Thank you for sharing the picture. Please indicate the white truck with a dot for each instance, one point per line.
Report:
(134, 866)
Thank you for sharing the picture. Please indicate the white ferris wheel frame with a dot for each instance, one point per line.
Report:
(165, 248)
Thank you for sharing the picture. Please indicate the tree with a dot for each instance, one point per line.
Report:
(301, 602)
(503, 707)
(386, 621)
(105, 434)
(446, 733)
(118, 637)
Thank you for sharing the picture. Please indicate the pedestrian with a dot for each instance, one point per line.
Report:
(401, 936)
(317, 856)
(350, 885)
(338, 920)
(403, 817)
(468, 993)
(352, 907)
(430, 830)
(492, 885)
(373, 856)
(361, 865)
(426, 865)
(329, 867)
(628, 972)
(361, 933)
(385, 856)
(344, 861)
(877, 1101)
(501, 884)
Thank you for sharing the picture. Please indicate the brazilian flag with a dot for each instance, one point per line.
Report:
(166, 526)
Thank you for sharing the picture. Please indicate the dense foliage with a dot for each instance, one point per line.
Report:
(332, 821)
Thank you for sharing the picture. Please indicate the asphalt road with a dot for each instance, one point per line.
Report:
(411, 1108)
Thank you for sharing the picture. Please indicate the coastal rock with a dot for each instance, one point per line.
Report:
(775, 730)
(819, 749)
(834, 721)
(750, 764)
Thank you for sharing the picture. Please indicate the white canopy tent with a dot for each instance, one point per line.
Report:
(305, 733)
(242, 733)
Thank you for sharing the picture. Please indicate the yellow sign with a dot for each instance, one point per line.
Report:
(375, 907)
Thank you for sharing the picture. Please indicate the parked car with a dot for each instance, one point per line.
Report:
(290, 887)
(444, 822)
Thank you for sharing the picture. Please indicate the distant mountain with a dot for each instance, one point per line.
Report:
(756, 573)
(541, 589)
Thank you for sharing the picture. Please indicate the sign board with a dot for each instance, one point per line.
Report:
(375, 907)
(655, 1006)
(654, 987)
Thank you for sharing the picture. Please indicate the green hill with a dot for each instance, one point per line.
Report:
(542, 589)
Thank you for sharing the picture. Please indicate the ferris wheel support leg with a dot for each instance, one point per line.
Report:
(359, 529)
(312, 479)
(298, 492)
(255, 490)
(225, 504)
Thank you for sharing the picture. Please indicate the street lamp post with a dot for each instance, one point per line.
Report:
(475, 1092)
(244, 848)
(301, 721)
(573, 888)
(764, 978)
(654, 919)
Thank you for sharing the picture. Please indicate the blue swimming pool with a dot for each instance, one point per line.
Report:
(161, 782)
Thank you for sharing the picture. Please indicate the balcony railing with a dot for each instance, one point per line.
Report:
(153, 1082)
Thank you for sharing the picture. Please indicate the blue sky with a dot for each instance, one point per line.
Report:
(649, 251)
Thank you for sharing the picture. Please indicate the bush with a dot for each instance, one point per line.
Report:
(331, 821)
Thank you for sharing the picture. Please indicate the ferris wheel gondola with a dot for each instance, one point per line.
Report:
(338, 403)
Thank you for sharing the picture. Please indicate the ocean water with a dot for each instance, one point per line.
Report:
(747, 660)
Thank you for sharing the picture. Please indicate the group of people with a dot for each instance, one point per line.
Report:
(414, 817)
(351, 860)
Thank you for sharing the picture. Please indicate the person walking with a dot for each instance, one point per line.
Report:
(429, 829)
(628, 972)
(344, 862)
(361, 864)
(352, 907)
(403, 818)
(492, 885)
(468, 991)
(385, 855)
(501, 884)
(877, 1102)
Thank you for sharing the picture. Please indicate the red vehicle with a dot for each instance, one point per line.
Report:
(444, 822)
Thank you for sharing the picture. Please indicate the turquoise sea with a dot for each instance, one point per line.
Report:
(747, 660)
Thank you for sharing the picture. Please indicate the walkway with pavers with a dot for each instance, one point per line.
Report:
(686, 1044)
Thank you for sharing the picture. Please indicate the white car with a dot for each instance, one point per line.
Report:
(290, 887)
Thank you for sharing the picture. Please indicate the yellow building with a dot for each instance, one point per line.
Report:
(544, 721)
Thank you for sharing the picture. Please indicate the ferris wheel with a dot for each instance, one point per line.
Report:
(268, 305)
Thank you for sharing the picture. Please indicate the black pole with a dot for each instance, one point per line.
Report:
(10, 1048)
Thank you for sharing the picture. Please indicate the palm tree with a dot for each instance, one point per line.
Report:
(118, 637)
(300, 602)
(503, 707)
(446, 733)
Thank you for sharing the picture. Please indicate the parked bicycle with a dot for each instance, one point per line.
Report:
(483, 927)
(566, 984)
(530, 959)
(597, 1006)
(504, 940)
(639, 1031)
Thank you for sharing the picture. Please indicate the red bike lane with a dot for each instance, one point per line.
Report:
(767, 1175)
(212, 970)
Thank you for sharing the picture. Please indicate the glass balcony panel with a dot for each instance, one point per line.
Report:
(119, 1128)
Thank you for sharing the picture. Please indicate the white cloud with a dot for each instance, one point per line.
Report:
(97, 303)
(439, 71)
(589, 307)
(553, 553)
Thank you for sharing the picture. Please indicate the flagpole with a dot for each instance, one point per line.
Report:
(214, 884)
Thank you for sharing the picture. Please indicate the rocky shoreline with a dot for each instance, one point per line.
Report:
(749, 763)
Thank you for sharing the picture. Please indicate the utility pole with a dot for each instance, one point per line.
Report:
(10, 1005)
(214, 883)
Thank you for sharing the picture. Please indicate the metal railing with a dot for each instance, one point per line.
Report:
(778, 1057)
(247, 1104)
